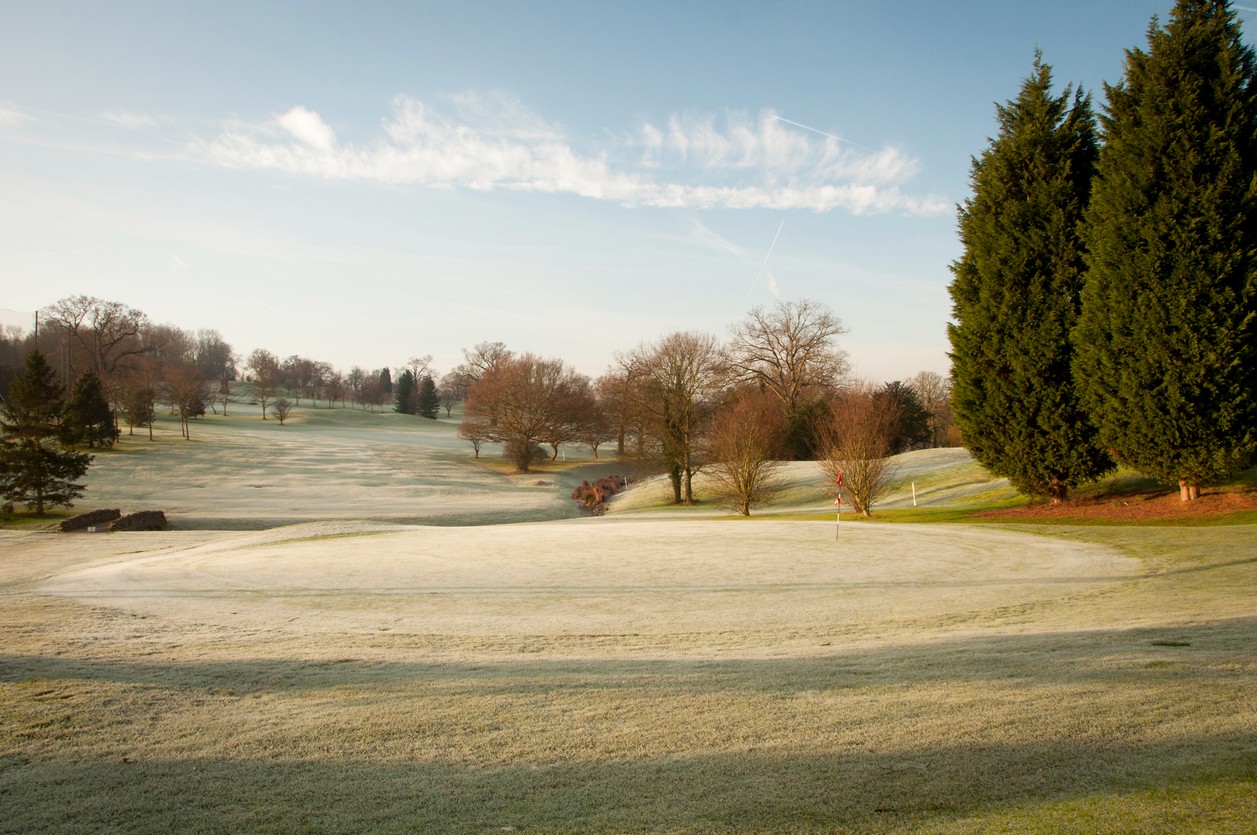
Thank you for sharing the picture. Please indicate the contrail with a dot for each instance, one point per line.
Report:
(830, 135)
(763, 268)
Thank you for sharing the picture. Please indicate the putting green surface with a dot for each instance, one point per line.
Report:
(678, 588)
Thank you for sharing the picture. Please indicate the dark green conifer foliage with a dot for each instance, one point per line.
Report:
(404, 393)
(88, 420)
(429, 405)
(1167, 341)
(913, 429)
(1016, 294)
(33, 469)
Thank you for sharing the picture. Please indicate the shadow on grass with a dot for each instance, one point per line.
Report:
(1087, 705)
(746, 792)
(1041, 657)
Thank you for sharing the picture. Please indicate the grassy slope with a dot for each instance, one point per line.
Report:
(949, 487)
(1137, 717)
(243, 473)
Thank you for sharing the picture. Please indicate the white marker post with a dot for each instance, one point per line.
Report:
(914, 494)
(838, 507)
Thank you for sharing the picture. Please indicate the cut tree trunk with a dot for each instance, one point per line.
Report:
(1188, 491)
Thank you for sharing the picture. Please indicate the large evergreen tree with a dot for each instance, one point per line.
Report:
(429, 404)
(1016, 294)
(88, 420)
(33, 469)
(1167, 342)
(404, 393)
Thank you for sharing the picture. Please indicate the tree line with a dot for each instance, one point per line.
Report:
(678, 403)
(1105, 306)
(778, 388)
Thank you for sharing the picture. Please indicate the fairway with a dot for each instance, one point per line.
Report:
(265, 667)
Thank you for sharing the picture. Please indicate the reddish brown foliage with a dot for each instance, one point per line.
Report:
(593, 498)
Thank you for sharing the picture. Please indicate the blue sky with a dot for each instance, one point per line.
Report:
(362, 183)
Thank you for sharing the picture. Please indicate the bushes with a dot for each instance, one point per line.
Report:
(144, 520)
(593, 498)
(92, 519)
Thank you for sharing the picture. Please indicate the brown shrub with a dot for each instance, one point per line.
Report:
(593, 497)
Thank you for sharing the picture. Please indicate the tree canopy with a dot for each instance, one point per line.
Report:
(1016, 294)
(1167, 341)
(33, 469)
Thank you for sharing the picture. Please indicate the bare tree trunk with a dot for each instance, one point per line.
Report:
(1188, 491)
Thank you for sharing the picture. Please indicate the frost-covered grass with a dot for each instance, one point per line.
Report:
(651, 671)
(243, 473)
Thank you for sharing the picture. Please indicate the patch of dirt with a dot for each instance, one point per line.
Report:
(1137, 507)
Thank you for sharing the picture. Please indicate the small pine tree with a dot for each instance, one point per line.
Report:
(88, 420)
(1168, 334)
(429, 404)
(1016, 295)
(33, 470)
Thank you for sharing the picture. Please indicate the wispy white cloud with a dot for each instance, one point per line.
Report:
(11, 116)
(491, 141)
(129, 119)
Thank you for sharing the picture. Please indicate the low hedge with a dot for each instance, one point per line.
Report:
(144, 520)
(91, 519)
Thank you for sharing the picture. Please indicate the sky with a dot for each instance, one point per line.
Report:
(361, 183)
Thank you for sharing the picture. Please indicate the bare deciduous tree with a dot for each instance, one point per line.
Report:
(934, 392)
(334, 387)
(573, 414)
(520, 401)
(102, 335)
(453, 389)
(355, 380)
(790, 350)
(282, 409)
(185, 389)
(373, 393)
(264, 376)
(855, 441)
(483, 358)
(683, 375)
(619, 398)
(474, 430)
(745, 448)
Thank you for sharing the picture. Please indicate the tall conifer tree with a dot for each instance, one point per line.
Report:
(404, 393)
(428, 403)
(33, 470)
(1167, 341)
(1016, 294)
